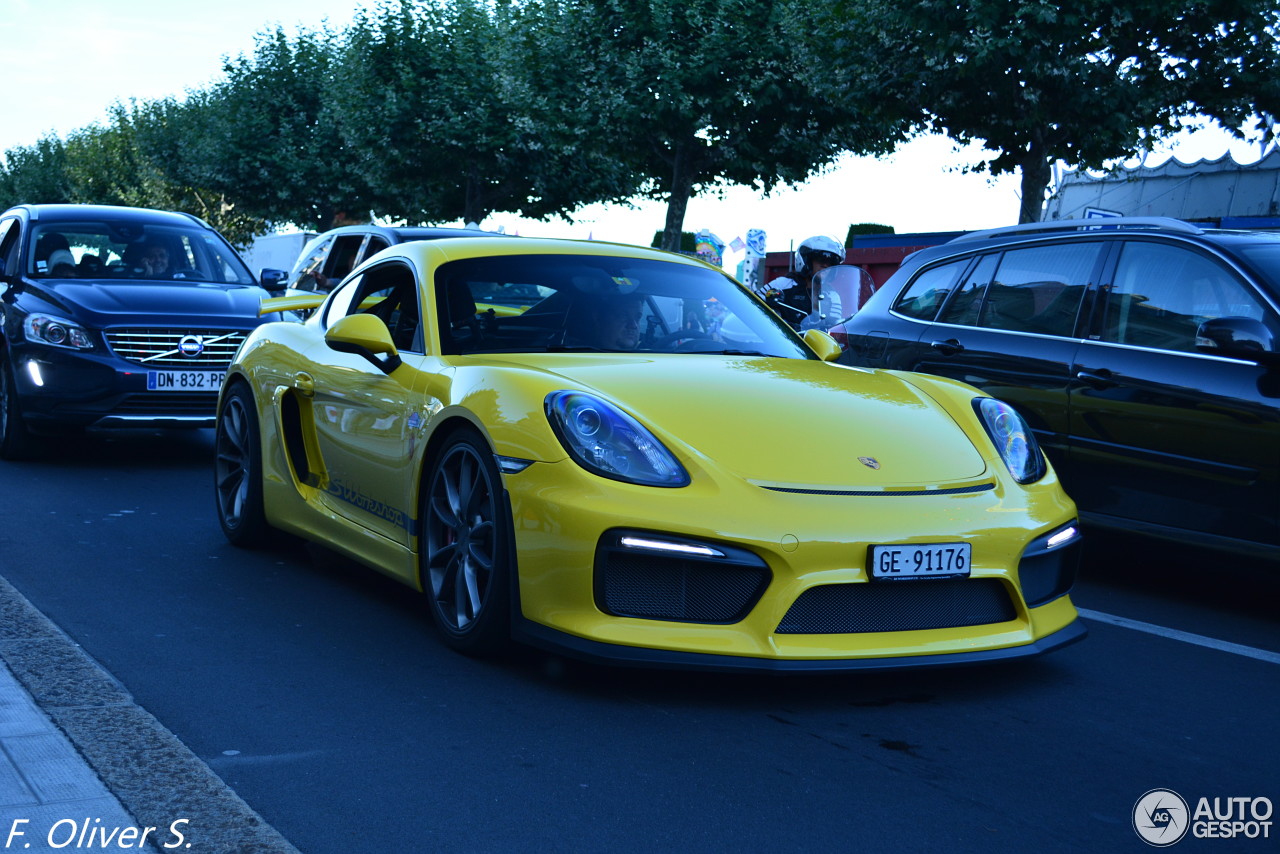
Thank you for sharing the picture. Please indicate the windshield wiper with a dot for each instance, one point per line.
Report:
(575, 348)
(727, 353)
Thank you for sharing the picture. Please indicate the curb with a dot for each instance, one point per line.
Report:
(155, 777)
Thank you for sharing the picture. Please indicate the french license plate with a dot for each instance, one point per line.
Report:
(932, 560)
(185, 380)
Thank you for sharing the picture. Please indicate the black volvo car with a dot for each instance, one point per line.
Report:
(113, 316)
(1142, 352)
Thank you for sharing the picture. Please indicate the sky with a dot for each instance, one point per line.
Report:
(65, 62)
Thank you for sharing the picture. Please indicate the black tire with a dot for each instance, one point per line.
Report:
(463, 553)
(16, 442)
(237, 471)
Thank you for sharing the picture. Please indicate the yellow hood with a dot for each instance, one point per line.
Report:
(784, 422)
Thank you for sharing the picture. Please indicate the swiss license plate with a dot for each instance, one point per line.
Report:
(930, 560)
(185, 380)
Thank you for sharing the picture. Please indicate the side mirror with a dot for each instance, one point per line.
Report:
(823, 345)
(272, 280)
(364, 335)
(1238, 338)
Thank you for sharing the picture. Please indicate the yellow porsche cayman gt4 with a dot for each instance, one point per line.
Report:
(624, 455)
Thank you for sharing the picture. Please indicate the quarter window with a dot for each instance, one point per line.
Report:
(1162, 293)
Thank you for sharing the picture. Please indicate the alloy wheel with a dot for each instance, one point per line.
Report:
(461, 539)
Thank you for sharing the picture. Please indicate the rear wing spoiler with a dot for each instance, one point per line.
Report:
(297, 303)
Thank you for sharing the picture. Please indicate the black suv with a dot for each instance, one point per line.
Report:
(113, 316)
(1142, 352)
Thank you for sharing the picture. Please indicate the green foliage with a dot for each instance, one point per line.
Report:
(35, 174)
(122, 163)
(697, 94)
(268, 137)
(453, 109)
(688, 241)
(1038, 81)
(865, 228)
(461, 110)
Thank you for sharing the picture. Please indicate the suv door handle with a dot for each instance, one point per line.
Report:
(1099, 379)
(947, 348)
(304, 383)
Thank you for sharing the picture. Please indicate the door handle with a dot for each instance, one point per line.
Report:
(304, 383)
(1099, 379)
(947, 348)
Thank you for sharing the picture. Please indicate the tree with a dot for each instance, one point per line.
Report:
(458, 109)
(267, 137)
(697, 94)
(111, 164)
(169, 171)
(1086, 82)
(35, 174)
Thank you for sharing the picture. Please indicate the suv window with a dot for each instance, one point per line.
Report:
(306, 268)
(1039, 289)
(131, 249)
(929, 290)
(964, 305)
(1161, 294)
(342, 258)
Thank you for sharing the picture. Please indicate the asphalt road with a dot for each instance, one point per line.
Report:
(316, 690)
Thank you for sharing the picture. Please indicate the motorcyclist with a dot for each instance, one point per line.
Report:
(794, 290)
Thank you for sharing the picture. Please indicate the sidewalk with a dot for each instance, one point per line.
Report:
(47, 789)
(88, 768)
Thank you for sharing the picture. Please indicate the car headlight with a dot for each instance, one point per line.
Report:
(607, 441)
(45, 329)
(1012, 438)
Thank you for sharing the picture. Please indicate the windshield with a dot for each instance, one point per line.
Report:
(1265, 258)
(565, 303)
(133, 250)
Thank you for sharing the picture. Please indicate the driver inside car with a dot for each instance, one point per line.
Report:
(615, 321)
(154, 261)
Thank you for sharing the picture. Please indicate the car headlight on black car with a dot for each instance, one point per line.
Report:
(56, 332)
(1013, 439)
(607, 441)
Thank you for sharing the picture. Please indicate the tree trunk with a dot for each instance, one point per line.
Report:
(678, 198)
(1036, 174)
(475, 204)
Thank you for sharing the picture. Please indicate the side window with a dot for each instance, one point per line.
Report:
(9, 233)
(308, 267)
(927, 293)
(375, 245)
(1040, 289)
(1161, 294)
(966, 302)
(389, 292)
(342, 258)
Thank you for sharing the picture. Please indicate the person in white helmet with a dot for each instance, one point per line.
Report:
(794, 290)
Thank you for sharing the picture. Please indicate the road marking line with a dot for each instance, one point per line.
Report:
(1185, 637)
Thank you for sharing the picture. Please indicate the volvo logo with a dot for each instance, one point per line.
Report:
(869, 462)
(191, 346)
